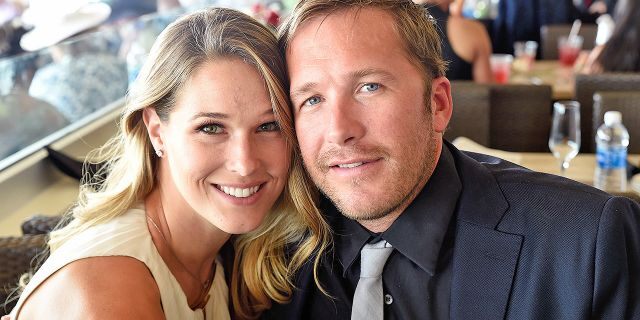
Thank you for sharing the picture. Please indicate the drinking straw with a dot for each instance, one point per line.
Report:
(575, 28)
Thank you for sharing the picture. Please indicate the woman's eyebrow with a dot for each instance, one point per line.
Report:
(215, 115)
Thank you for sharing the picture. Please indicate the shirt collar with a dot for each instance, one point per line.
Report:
(426, 219)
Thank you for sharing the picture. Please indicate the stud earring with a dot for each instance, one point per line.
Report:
(159, 153)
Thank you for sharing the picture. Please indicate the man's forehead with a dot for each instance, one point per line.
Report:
(343, 23)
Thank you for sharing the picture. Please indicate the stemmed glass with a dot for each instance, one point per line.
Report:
(564, 139)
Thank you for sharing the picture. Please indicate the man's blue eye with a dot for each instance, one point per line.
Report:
(312, 101)
(369, 87)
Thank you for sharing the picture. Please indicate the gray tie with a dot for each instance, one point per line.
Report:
(368, 300)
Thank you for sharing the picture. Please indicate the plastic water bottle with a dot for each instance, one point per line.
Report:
(612, 140)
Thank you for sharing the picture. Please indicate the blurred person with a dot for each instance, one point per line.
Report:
(23, 119)
(598, 7)
(124, 11)
(621, 51)
(456, 8)
(167, 5)
(8, 11)
(205, 151)
(465, 43)
(466, 236)
(84, 74)
(11, 27)
(520, 20)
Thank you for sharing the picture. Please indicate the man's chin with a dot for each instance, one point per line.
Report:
(360, 210)
(362, 216)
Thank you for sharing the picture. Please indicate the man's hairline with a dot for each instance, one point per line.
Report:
(324, 14)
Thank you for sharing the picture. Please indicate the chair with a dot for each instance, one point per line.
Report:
(586, 86)
(628, 194)
(18, 256)
(41, 224)
(471, 112)
(520, 117)
(550, 34)
(628, 103)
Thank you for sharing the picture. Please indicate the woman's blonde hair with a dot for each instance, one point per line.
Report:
(261, 271)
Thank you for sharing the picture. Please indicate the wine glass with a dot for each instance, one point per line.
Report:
(564, 139)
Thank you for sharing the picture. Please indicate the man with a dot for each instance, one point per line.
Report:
(472, 237)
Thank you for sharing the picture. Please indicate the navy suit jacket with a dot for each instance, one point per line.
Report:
(527, 246)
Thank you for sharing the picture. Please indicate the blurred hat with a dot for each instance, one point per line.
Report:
(54, 21)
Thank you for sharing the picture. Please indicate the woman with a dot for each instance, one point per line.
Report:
(621, 53)
(205, 151)
(465, 43)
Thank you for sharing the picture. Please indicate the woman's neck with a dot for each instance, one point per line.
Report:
(193, 240)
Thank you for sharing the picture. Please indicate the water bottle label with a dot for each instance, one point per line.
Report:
(611, 158)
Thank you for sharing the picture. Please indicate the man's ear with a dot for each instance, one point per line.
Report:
(154, 127)
(441, 103)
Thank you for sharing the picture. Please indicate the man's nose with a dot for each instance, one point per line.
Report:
(345, 124)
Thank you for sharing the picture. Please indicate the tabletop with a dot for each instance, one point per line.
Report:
(581, 168)
(549, 72)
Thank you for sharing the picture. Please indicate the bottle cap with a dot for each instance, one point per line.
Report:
(612, 117)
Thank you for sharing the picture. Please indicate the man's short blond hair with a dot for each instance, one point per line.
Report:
(413, 23)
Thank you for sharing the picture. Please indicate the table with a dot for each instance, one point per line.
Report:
(549, 72)
(580, 169)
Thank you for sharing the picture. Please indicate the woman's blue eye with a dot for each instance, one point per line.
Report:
(312, 101)
(369, 87)
(211, 128)
(270, 126)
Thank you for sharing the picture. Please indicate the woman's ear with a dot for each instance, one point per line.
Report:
(154, 128)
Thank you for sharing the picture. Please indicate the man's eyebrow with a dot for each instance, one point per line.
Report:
(386, 75)
(303, 90)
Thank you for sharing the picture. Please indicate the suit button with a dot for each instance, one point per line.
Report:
(388, 299)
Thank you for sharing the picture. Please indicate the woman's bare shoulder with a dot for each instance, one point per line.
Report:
(470, 40)
(470, 24)
(115, 287)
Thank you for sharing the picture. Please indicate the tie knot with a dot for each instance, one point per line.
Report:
(373, 256)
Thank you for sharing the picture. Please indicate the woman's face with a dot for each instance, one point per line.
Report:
(224, 156)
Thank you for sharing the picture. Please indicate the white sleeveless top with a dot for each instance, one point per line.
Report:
(128, 235)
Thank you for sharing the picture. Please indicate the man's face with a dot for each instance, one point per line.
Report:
(368, 138)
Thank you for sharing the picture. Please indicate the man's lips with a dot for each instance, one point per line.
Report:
(351, 157)
(351, 163)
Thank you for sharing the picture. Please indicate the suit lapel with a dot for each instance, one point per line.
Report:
(485, 259)
(484, 264)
